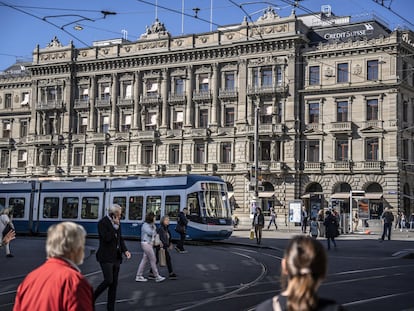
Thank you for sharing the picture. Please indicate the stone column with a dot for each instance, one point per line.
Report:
(164, 97)
(137, 106)
(189, 92)
(214, 91)
(92, 97)
(114, 99)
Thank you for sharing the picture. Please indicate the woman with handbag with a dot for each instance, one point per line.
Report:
(148, 232)
(166, 244)
(6, 225)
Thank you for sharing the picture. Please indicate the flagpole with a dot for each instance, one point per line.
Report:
(182, 17)
(211, 15)
(156, 9)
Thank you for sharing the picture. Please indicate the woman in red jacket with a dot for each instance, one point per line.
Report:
(58, 283)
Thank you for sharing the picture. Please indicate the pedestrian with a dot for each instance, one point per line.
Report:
(109, 254)
(148, 232)
(304, 219)
(181, 229)
(411, 221)
(273, 217)
(387, 218)
(58, 283)
(166, 244)
(331, 228)
(403, 222)
(236, 222)
(6, 223)
(314, 228)
(321, 218)
(258, 224)
(356, 221)
(398, 222)
(303, 268)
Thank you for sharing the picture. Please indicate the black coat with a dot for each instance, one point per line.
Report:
(165, 236)
(111, 243)
(260, 219)
(331, 225)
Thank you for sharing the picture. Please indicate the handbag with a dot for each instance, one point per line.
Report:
(251, 237)
(162, 258)
(7, 229)
(157, 240)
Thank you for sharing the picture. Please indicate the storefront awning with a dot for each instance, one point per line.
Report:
(267, 194)
(340, 195)
(373, 195)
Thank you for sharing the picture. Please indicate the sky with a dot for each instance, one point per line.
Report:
(27, 23)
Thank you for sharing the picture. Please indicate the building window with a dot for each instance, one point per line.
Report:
(265, 150)
(178, 120)
(100, 155)
(203, 118)
(226, 152)
(314, 113)
(126, 123)
(405, 111)
(199, 153)
(77, 156)
(229, 117)
(255, 77)
(22, 158)
(372, 70)
(342, 111)
(174, 154)
(127, 90)
(314, 75)
(121, 155)
(152, 88)
(342, 150)
(342, 73)
(372, 149)
(104, 124)
(4, 159)
(267, 77)
(372, 109)
(6, 129)
(203, 83)
(83, 126)
(148, 154)
(229, 81)
(179, 86)
(404, 151)
(151, 121)
(266, 114)
(405, 72)
(8, 101)
(84, 93)
(313, 151)
(105, 91)
(25, 99)
(279, 77)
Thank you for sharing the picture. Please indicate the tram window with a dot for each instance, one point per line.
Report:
(172, 206)
(17, 206)
(50, 207)
(121, 201)
(192, 205)
(70, 208)
(154, 205)
(2, 203)
(90, 206)
(135, 208)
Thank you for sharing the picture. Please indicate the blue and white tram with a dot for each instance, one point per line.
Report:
(38, 204)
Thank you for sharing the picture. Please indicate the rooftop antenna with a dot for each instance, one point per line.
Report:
(196, 10)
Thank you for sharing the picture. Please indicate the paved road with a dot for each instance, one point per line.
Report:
(237, 275)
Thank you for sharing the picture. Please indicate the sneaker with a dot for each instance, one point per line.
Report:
(172, 276)
(9, 255)
(151, 276)
(159, 279)
(140, 278)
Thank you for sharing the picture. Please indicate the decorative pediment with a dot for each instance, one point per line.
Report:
(54, 43)
(269, 14)
(156, 30)
(371, 129)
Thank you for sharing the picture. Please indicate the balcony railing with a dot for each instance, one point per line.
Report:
(50, 105)
(150, 99)
(341, 126)
(202, 95)
(176, 98)
(266, 89)
(228, 93)
(81, 104)
(103, 102)
(125, 102)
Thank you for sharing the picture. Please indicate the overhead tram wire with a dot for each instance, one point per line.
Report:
(393, 12)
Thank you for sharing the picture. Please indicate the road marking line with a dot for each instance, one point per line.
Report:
(357, 302)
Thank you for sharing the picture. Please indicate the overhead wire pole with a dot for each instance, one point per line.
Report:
(256, 152)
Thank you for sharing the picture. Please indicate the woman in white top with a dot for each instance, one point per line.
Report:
(5, 219)
(148, 232)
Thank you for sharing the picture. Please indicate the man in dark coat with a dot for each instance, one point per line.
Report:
(331, 228)
(181, 229)
(387, 217)
(109, 254)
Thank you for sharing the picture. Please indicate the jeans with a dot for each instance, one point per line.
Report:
(387, 230)
(110, 272)
(258, 231)
(329, 242)
(180, 242)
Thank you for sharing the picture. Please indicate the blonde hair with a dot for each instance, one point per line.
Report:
(64, 239)
(305, 267)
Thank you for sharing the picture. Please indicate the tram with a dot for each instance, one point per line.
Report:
(37, 204)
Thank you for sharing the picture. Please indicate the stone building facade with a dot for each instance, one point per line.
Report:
(335, 102)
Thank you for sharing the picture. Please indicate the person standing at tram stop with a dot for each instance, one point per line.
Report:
(304, 219)
(303, 268)
(321, 218)
(387, 218)
(331, 228)
(181, 229)
(273, 217)
(5, 220)
(258, 224)
(109, 254)
(148, 232)
(58, 283)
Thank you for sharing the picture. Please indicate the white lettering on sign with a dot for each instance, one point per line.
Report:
(407, 39)
(345, 34)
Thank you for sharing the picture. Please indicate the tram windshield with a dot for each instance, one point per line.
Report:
(214, 204)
